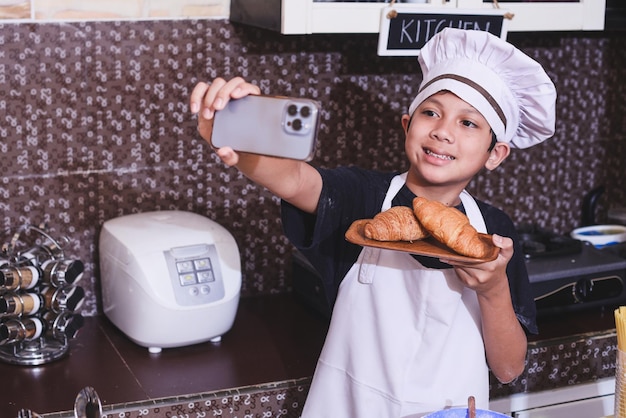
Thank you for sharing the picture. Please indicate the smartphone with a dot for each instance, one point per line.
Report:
(269, 125)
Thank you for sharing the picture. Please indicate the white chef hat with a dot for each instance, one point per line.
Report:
(510, 89)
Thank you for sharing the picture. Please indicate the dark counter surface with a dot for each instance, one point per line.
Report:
(571, 324)
(274, 338)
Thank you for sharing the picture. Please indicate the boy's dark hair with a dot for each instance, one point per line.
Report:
(493, 141)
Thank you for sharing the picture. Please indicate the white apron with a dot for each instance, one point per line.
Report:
(404, 340)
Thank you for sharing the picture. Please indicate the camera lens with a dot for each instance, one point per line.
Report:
(305, 112)
(292, 110)
(296, 125)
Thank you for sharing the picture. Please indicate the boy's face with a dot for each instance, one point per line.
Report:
(447, 141)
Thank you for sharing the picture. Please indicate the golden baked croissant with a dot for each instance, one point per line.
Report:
(451, 227)
(395, 224)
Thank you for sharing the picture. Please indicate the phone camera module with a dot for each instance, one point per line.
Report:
(292, 110)
(297, 116)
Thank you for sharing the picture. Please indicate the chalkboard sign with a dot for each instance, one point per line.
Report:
(403, 32)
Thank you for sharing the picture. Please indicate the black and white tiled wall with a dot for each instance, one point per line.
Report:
(95, 124)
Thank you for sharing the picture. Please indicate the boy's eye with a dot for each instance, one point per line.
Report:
(469, 124)
(429, 112)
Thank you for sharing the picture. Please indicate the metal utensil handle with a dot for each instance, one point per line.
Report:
(27, 413)
(87, 404)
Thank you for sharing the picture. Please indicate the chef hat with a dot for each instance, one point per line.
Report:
(510, 89)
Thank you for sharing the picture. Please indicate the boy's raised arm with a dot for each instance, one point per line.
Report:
(294, 181)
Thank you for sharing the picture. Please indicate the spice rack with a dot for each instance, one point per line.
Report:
(39, 297)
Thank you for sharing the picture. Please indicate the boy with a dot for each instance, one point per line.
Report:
(410, 335)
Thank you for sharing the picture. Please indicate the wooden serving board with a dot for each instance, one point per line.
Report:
(429, 247)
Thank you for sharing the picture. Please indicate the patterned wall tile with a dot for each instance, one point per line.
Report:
(556, 364)
(280, 399)
(95, 125)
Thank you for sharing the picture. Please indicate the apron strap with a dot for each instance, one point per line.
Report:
(473, 212)
(369, 255)
(394, 187)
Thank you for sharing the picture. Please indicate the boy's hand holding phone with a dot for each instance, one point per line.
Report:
(266, 125)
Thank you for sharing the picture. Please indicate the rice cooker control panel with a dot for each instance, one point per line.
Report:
(195, 274)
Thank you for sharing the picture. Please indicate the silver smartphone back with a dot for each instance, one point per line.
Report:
(269, 125)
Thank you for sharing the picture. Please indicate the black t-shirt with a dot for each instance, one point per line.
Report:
(351, 193)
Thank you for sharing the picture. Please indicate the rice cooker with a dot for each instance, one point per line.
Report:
(169, 278)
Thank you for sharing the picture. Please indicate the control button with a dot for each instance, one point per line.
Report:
(187, 279)
(206, 276)
(582, 290)
(184, 266)
(202, 263)
(205, 290)
(193, 291)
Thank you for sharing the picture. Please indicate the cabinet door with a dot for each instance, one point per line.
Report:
(323, 16)
(555, 15)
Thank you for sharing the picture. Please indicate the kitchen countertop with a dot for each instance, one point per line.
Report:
(570, 324)
(274, 339)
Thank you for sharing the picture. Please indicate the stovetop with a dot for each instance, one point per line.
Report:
(572, 266)
(540, 243)
(566, 274)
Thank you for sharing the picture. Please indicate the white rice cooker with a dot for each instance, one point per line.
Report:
(169, 278)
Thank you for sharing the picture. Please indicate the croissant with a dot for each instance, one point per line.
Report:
(395, 224)
(451, 227)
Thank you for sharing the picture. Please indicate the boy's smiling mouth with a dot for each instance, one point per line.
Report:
(440, 156)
